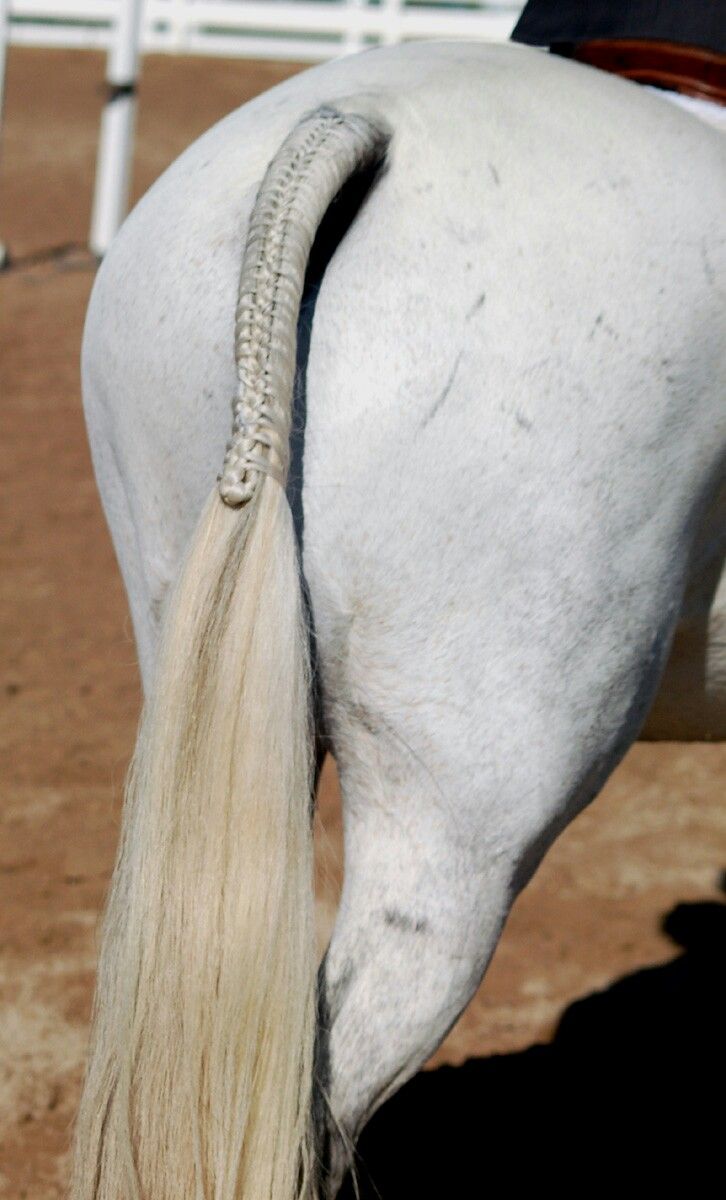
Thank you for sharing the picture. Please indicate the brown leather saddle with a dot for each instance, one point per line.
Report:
(673, 45)
(687, 69)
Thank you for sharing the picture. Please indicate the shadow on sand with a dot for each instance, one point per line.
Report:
(629, 1095)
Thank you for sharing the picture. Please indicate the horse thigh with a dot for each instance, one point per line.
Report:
(460, 763)
(433, 862)
(420, 915)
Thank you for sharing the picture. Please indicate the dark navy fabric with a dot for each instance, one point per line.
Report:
(699, 23)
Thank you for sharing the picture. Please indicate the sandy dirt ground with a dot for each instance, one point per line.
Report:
(593, 1049)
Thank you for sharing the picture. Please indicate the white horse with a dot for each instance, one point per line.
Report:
(510, 397)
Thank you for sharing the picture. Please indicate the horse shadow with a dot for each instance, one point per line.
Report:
(628, 1094)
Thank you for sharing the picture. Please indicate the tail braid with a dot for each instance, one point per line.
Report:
(302, 179)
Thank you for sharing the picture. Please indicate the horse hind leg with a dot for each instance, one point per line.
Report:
(422, 908)
(450, 802)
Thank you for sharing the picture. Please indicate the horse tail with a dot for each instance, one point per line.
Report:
(200, 1074)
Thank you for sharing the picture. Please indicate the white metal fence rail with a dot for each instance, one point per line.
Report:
(292, 29)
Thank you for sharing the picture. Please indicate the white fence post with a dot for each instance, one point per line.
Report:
(115, 148)
(179, 18)
(353, 38)
(391, 32)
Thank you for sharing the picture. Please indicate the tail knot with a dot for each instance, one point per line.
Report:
(258, 446)
(307, 172)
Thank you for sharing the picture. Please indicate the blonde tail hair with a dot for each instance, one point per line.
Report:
(200, 1074)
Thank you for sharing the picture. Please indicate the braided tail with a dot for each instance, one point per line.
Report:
(200, 1074)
